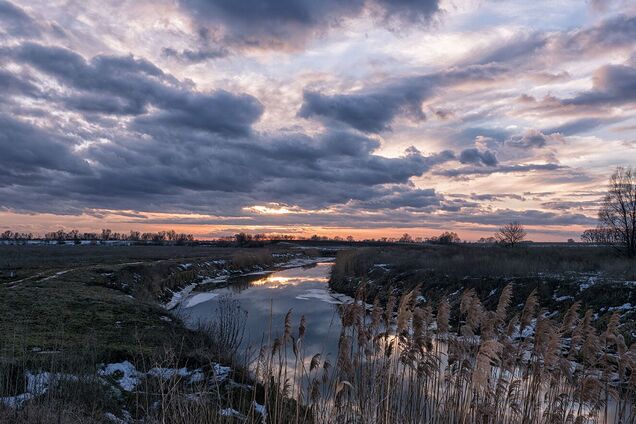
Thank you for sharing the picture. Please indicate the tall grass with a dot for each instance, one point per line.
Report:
(397, 363)
(404, 363)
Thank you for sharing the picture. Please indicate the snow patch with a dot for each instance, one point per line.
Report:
(179, 296)
(221, 372)
(592, 280)
(15, 402)
(230, 412)
(168, 373)
(124, 373)
(216, 280)
(260, 409)
(36, 385)
(199, 298)
(624, 307)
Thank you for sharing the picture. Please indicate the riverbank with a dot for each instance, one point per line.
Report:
(94, 323)
(593, 276)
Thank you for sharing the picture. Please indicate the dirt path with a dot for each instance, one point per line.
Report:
(14, 284)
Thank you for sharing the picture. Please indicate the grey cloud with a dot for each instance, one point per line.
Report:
(536, 50)
(373, 109)
(28, 150)
(518, 48)
(399, 197)
(15, 21)
(125, 85)
(526, 217)
(496, 197)
(11, 84)
(281, 23)
(468, 135)
(613, 85)
(504, 169)
(529, 140)
(476, 156)
(371, 112)
(579, 126)
(195, 56)
(409, 10)
(162, 165)
(615, 32)
(568, 205)
(451, 215)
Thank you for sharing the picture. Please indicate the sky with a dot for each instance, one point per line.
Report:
(368, 118)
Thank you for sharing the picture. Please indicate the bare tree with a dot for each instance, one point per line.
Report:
(598, 235)
(511, 234)
(447, 237)
(618, 213)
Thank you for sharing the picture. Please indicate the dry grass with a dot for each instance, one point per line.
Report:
(408, 361)
(250, 257)
(408, 366)
(400, 363)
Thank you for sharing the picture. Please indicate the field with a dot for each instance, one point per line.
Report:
(438, 334)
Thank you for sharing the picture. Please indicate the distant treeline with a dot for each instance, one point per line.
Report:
(594, 235)
(104, 235)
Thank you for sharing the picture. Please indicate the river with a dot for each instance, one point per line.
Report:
(266, 299)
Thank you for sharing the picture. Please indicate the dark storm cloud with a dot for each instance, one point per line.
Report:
(479, 157)
(15, 21)
(182, 150)
(373, 109)
(125, 85)
(372, 112)
(283, 23)
(28, 150)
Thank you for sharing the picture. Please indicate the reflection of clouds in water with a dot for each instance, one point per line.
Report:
(267, 308)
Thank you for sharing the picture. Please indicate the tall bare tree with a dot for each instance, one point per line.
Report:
(618, 213)
(511, 234)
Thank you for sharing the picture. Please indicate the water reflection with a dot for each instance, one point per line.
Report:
(267, 299)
